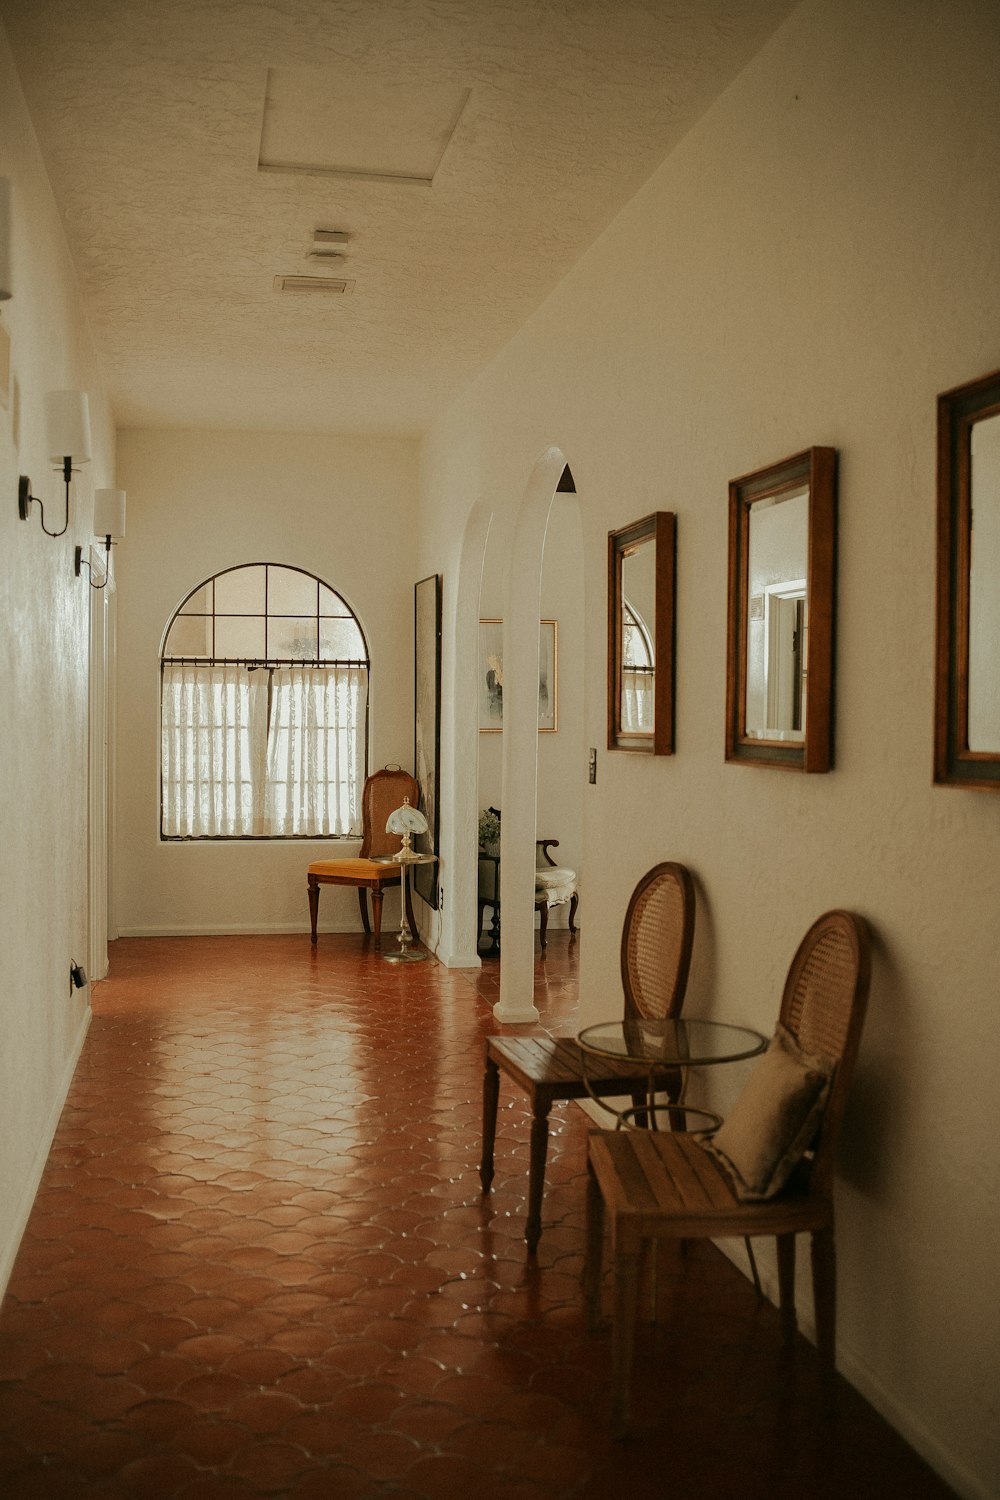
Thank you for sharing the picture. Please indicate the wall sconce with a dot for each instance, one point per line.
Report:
(109, 522)
(68, 426)
(5, 276)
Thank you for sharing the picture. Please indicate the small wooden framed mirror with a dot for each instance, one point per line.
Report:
(782, 558)
(641, 582)
(967, 686)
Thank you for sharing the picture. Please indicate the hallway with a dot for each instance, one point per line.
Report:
(259, 1263)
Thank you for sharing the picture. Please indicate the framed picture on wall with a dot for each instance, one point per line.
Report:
(491, 676)
(427, 725)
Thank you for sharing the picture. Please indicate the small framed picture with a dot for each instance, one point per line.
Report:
(491, 676)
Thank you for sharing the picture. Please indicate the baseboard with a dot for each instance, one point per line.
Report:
(27, 1203)
(863, 1379)
(233, 929)
(461, 961)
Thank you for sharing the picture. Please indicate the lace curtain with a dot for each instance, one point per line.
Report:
(315, 750)
(637, 700)
(243, 758)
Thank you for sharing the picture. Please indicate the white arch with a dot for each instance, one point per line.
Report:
(460, 749)
(520, 741)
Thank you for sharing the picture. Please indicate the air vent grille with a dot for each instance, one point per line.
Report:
(328, 284)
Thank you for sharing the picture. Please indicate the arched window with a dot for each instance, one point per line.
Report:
(638, 668)
(264, 709)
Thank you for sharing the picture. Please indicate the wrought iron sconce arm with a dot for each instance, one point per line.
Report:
(25, 499)
(80, 562)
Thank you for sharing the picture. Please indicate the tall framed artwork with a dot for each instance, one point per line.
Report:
(491, 676)
(427, 725)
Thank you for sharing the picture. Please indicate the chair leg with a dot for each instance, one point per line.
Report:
(313, 906)
(377, 917)
(594, 1250)
(786, 1284)
(363, 903)
(543, 923)
(623, 1336)
(491, 1099)
(536, 1171)
(574, 902)
(824, 1274)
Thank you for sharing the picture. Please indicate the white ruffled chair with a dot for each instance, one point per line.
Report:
(554, 886)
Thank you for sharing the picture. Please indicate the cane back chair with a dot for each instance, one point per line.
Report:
(655, 957)
(652, 1185)
(383, 792)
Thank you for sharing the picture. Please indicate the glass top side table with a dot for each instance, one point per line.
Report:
(657, 1045)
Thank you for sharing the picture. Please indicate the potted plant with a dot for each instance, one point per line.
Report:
(489, 832)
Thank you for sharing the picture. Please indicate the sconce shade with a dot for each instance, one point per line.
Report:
(407, 819)
(67, 416)
(109, 514)
(5, 276)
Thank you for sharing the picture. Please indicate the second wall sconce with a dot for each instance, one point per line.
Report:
(109, 522)
(67, 416)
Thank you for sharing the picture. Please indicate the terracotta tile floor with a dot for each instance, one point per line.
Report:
(259, 1264)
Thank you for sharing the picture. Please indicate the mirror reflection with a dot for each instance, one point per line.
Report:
(779, 654)
(641, 571)
(984, 587)
(638, 669)
(777, 616)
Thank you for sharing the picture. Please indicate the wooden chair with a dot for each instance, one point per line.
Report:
(548, 876)
(655, 958)
(654, 1185)
(383, 792)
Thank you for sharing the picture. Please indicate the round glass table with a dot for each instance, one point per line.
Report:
(657, 1047)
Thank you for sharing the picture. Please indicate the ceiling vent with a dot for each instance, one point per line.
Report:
(332, 285)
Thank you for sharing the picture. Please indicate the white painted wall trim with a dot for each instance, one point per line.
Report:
(29, 1188)
(520, 741)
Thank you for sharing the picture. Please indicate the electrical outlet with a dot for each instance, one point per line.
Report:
(592, 766)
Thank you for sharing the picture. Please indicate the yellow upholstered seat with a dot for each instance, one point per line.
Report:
(383, 793)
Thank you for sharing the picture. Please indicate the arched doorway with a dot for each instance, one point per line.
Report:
(522, 612)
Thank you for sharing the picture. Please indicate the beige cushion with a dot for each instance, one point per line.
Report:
(773, 1122)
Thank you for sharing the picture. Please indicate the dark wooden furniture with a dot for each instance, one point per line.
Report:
(383, 793)
(489, 894)
(654, 1185)
(655, 958)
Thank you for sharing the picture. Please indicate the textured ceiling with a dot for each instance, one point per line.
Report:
(150, 115)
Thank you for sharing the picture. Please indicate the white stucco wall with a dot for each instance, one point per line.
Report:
(817, 260)
(44, 613)
(343, 509)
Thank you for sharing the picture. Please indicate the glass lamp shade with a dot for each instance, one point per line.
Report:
(109, 514)
(5, 276)
(67, 418)
(407, 819)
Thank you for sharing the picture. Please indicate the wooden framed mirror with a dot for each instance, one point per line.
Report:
(641, 583)
(967, 687)
(782, 559)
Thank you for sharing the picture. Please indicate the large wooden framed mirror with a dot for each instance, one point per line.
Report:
(967, 691)
(782, 560)
(641, 583)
